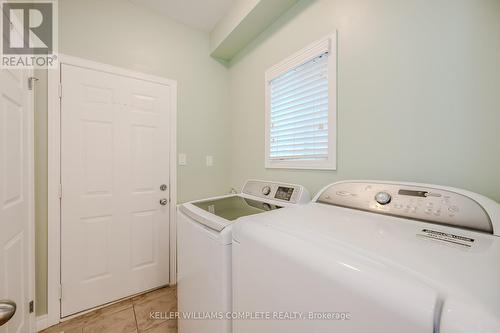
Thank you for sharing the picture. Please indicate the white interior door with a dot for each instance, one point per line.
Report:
(16, 198)
(114, 159)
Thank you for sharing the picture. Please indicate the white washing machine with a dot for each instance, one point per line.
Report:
(204, 245)
(371, 257)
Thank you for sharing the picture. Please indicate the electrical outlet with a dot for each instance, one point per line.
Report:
(182, 159)
(210, 161)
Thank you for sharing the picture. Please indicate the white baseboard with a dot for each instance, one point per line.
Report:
(42, 323)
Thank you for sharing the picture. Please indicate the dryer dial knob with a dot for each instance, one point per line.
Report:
(383, 198)
(266, 190)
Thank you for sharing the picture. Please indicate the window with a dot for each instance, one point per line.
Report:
(301, 109)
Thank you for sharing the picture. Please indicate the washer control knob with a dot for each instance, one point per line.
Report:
(266, 190)
(383, 198)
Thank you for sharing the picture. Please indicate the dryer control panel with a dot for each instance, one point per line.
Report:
(434, 205)
(289, 193)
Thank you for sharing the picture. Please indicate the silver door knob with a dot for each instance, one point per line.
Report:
(163, 201)
(7, 311)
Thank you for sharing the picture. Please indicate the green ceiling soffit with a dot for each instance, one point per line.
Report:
(244, 21)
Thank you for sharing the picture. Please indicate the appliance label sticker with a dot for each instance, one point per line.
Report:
(446, 237)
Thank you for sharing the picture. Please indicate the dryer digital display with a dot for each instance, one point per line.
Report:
(422, 194)
(284, 193)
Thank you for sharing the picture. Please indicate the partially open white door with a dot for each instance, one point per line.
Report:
(16, 199)
(114, 161)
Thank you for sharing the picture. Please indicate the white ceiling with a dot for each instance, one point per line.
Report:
(200, 14)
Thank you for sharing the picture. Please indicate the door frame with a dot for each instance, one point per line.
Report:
(32, 213)
(54, 174)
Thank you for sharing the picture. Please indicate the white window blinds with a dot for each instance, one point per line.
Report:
(299, 112)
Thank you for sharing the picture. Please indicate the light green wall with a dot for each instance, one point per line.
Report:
(120, 33)
(418, 91)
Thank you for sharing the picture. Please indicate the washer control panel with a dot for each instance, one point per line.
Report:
(276, 191)
(410, 201)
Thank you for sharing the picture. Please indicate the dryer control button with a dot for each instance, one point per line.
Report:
(383, 198)
(266, 190)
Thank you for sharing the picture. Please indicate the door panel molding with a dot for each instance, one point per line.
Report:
(142, 104)
(17, 196)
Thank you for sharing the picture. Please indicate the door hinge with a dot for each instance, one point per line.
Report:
(31, 79)
(32, 306)
(60, 292)
(60, 90)
(59, 191)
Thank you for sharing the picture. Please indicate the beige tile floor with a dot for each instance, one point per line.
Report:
(128, 316)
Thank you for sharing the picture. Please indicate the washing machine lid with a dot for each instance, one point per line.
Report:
(220, 212)
(461, 265)
(234, 207)
(257, 197)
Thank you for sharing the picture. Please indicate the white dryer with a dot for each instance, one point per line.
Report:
(204, 250)
(371, 257)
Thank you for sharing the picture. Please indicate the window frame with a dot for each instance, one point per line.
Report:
(326, 44)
